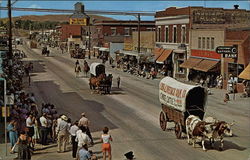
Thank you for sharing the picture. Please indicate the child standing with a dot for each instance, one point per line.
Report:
(106, 146)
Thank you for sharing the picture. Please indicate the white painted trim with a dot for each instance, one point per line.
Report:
(168, 22)
(172, 17)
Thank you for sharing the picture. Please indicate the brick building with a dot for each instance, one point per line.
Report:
(172, 35)
(68, 30)
(241, 39)
(114, 31)
(174, 27)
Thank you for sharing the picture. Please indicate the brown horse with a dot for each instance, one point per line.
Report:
(94, 82)
(86, 68)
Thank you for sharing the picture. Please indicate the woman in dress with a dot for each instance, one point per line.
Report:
(106, 146)
(23, 147)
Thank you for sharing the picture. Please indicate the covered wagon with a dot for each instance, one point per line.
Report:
(98, 79)
(179, 100)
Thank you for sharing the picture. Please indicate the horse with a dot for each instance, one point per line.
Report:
(95, 82)
(86, 68)
(77, 70)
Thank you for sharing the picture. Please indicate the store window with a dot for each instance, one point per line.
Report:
(232, 69)
(113, 31)
(178, 68)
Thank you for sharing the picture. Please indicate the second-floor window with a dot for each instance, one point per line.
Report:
(175, 34)
(166, 34)
(203, 42)
(208, 43)
(126, 31)
(199, 42)
(183, 34)
(159, 34)
(212, 43)
(113, 31)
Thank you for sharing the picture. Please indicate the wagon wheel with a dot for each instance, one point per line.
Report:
(163, 121)
(178, 130)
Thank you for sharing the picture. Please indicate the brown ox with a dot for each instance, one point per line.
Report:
(196, 129)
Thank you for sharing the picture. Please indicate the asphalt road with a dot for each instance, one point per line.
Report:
(132, 113)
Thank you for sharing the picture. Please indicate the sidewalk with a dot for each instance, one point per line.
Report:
(118, 71)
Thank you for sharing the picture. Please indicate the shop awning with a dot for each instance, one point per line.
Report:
(190, 62)
(166, 53)
(104, 49)
(245, 74)
(130, 53)
(157, 52)
(205, 65)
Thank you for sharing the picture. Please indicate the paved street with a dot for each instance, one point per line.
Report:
(131, 113)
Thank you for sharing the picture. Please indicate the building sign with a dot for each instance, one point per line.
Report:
(205, 54)
(78, 21)
(220, 16)
(228, 51)
(4, 111)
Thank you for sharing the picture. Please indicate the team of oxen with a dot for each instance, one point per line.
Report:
(208, 129)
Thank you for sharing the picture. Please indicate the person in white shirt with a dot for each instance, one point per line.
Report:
(30, 121)
(44, 129)
(81, 139)
(63, 134)
(73, 129)
(84, 121)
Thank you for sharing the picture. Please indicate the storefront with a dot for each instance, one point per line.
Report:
(203, 65)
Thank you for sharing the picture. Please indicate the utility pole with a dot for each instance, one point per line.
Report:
(10, 55)
(89, 37)
(139, 34)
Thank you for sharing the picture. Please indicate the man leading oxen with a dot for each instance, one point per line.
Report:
(209, 128)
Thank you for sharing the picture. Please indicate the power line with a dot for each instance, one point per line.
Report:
(101, 12)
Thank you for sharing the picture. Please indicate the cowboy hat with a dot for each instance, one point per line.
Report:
(83, 114)
(63, 117)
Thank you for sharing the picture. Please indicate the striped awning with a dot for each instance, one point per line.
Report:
(245, 74)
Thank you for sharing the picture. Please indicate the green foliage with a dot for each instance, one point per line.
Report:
(35, 25)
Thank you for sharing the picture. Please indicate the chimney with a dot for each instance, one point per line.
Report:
(236, 6)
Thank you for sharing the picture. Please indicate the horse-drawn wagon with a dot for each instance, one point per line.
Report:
(98, 78)
(178, 101)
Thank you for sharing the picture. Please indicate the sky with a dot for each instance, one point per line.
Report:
(124, 5)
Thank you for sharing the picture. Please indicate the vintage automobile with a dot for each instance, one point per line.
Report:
(98, 78)
(178, 101)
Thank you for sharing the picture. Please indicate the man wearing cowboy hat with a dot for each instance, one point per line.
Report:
(63, 133)
(85, 122)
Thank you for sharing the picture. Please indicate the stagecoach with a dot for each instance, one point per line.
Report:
(98, 78)
(178, 101)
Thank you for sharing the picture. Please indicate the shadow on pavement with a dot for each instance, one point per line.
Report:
(72, 105)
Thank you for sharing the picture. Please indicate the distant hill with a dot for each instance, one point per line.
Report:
(56, 18)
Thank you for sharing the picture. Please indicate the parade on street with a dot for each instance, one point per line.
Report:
(95, 83)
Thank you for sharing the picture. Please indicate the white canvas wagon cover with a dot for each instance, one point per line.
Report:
(94, 66)
(180, 96)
